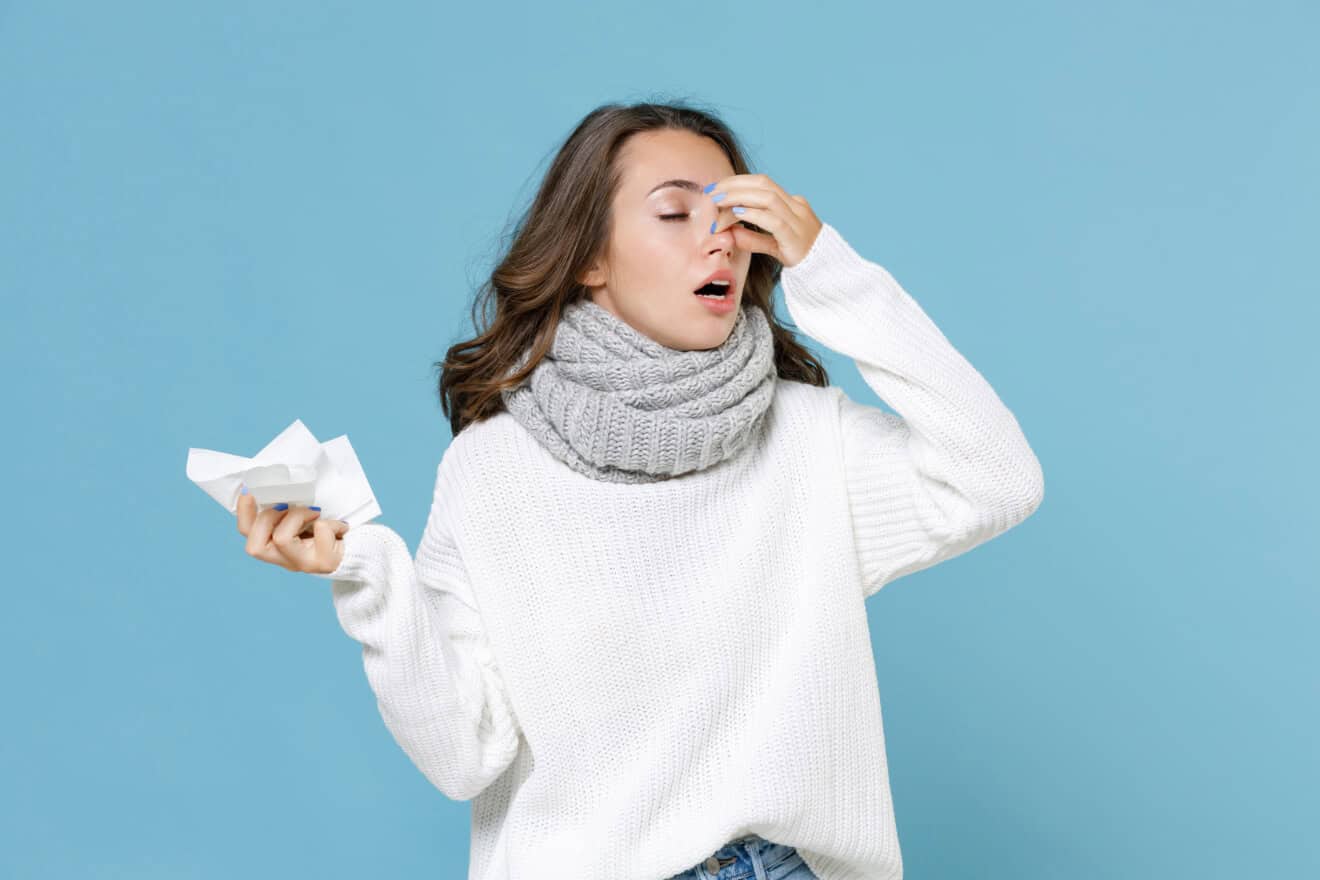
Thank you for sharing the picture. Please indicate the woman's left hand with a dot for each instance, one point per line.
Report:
(790, 225)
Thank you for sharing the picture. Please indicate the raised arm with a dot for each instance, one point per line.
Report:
(425, 654)
(953, 469)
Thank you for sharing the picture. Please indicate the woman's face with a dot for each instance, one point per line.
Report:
(661, 249)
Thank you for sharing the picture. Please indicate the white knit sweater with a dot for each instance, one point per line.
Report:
(624, 677)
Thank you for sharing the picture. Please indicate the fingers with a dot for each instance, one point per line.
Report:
(754, 190)
(756, 181)
(766, 208)
(259, 525)
(275, 536)
(247, 512)
(272, 535)
(259, 531)
(328, 549)
(285, 536)
(763, 217)
(769, 220)
(750, 239)
(320, 552)
(761, 230)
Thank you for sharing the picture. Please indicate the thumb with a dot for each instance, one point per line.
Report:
(325, 537)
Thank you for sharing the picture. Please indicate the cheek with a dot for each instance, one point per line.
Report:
(656, 261)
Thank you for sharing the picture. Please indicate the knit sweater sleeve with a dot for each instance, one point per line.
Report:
(952, 470)
(425, 653)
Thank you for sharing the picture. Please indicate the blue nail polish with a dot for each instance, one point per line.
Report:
(709, 187)
(718, 197)
(313, 508)
(243, 491)
(712, 226)
(739, 209)
(281, 506)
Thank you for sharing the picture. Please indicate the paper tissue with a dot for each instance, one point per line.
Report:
(294, 468)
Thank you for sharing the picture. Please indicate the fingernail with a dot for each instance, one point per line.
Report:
(739, 209)
(243, 491)
(313, 508)
(712, 226)
(709, 187)
(281, 506)
(718, 197)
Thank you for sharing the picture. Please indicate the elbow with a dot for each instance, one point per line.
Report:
(458, 758)
(474, 778)
(1029, 492)
(1022, 480)
(463, 780)
(1035, 487)
(1017, 500)
(463, 768)
(462, 789)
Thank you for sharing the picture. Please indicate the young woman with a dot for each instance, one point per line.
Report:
(634, 632)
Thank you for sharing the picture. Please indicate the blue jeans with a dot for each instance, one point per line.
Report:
(750, 858)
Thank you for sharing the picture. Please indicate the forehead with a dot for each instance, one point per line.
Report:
(652, 158)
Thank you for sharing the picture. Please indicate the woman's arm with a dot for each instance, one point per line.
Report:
(953, 469)
(425, 654)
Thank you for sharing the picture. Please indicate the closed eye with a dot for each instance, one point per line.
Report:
(674, 216)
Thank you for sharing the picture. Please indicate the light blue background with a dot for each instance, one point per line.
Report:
(218, 218)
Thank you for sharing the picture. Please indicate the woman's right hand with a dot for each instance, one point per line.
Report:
(275, 536)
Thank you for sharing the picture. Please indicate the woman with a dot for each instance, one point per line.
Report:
(634, 633)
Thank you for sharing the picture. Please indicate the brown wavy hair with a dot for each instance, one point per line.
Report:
(567, 225)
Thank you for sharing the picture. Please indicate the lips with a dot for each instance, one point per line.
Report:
(725, 275)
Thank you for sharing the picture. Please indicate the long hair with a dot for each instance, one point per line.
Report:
(567, 225)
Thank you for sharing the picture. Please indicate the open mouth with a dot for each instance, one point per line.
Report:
(715, 290)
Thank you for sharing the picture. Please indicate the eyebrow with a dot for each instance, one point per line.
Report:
(679, 182)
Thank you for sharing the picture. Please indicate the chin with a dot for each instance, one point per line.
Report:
(713, 336)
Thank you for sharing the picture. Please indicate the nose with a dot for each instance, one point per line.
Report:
(722, 240)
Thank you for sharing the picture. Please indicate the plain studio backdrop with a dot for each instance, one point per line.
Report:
(218, 218)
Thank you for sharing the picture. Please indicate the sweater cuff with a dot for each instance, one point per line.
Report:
(365, 557)
(816, 275)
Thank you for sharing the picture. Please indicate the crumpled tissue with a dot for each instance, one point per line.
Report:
(294, 468)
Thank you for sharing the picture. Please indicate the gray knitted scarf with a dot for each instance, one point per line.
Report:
(616, 405)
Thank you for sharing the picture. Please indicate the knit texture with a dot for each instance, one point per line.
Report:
(623, 677)
(616, 405)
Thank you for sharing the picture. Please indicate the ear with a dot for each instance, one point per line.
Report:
(593, 277)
